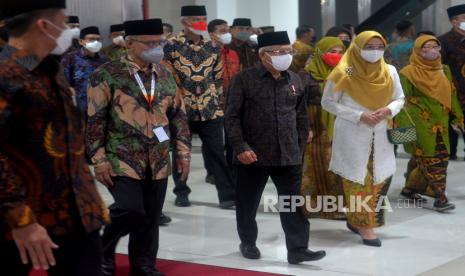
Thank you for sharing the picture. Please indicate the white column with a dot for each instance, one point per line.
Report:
(328, 14)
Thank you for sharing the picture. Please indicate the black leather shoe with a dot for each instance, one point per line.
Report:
(164, 220)
(250, 251)
(353, 229)
(228, 204)
(182, 201)
(374, 242)
(411, 195)
(144, 271)
(304, 255)
(210, 179)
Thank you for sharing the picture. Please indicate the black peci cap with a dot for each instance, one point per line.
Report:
(12, 8)
(455, 10)
(72, 19)
(274, 38)
(242, 22)
(143, 27)
(92, 30)
(193, 11)
(117, 28)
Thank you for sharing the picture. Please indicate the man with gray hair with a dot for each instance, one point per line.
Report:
(267, 126)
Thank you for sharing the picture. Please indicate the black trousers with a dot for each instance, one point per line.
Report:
(80, 254)
(454, 140)
(136, 211)
(251, 182)
(211, 134)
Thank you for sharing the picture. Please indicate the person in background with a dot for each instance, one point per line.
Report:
(50, 209)
(398, 53)
(220, 33)
(453, 55)
(132, 117)
(75, 26)
(117, 48)
(363, 92)
(342, 33)
(425, 32)
(168, 30)
(303, 47)
(266, 123)
(267, 29)
(317, 181)
(198, 68)
(244, 42)
(79, 65)
(430, 99)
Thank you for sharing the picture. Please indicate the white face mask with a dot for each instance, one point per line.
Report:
(63, 41)
(254, 38)
(153, 55)
(94, 46)
(119, 40)
(462, 26)
(372, 56)
(225, 39)
(76, 32)
(281, 63)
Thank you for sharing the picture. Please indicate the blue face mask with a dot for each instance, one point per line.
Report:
(153, 55)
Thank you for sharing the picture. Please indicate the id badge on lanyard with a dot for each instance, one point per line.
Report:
(148, 97)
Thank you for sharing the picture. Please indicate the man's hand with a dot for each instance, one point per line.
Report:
(247, 157)
(183, 165)
(382, 113)
(104, 173)
(369, 119)
(310, 137)
(34, 243)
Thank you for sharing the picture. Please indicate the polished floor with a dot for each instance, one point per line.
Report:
(416, 241)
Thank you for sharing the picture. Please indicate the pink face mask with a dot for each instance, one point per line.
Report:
(431, 55)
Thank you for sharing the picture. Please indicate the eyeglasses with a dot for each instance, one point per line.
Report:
(431, 47)
(153, 43)
(374, 47)
(281, 53)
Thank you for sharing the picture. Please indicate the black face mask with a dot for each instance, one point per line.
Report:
(346, 43)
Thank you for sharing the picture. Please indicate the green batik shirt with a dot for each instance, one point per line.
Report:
(114, 52)
(429, 116)
(121, 123)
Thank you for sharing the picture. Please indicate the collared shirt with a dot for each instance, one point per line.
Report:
(247, 51)
(121, 123)
(267, 116)
(114, 52)
(231, 67)
(78, 66)
(44, 177)
(304, 52)
(453, 54)
(199, 70)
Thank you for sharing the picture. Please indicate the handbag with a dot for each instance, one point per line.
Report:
(403, 135)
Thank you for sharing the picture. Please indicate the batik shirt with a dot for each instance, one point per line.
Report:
(44, 177)
(121, 123)
(453, 54)
(231, 67)
(114, 52)
(398, 53)
(199, 70)
(78, 66)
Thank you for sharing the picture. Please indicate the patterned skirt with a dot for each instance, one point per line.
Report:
(427, 175)
(317, 180)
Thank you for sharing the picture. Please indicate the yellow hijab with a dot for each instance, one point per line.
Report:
(369, 84)
(428, 75)
(317, 67)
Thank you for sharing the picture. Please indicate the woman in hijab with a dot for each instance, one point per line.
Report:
(364, 93)
(317, 181)
(430, 99)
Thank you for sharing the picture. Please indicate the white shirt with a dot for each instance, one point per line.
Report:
(353, 140)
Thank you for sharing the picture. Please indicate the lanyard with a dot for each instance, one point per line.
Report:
(148, 97)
